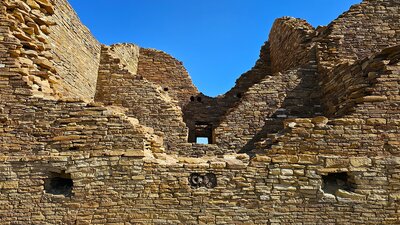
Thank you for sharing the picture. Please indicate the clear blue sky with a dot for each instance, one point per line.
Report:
(217, 40)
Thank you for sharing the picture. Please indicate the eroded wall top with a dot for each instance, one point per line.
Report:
(167, 72)
(290, 40)
(365, 29)
(56, 55)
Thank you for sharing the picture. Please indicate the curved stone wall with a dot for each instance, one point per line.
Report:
(164, 70)
(291, 42)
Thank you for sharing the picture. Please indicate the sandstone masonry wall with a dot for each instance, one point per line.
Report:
(211, 111)
(365, 29)
(348, 86)
(128, 54)
(10, 71)
(70, 161)
(164, 70)
(275, 98)
(27, 56)
(142, 99)
(291, 41)
(50, 65)
(288, 93)
(282, 189)
(76, 53)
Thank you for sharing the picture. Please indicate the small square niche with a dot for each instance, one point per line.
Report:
(59, 184)
(332, 182)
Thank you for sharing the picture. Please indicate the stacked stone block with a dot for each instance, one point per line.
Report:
(147, 102)
(167, 72)
(320, 128)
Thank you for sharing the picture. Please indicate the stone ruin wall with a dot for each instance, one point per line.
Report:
(57, 61)
(349, 38)
(75, 51)
(122, 172)
(128, 54)
(162, 69)
(348, 86)
(142, 99)
(213, 111)
(291, 42)
(291, 92)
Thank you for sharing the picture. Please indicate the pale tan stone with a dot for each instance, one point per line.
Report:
(376, 121)
(337, 162)
(360, 162)
(350, 195)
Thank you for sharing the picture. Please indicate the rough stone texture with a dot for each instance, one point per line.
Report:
(291, 92)
(76, 52)
(366, 85)
(350, 38)
(291, 41)
(309, 135)
(117, 86)
(128, 54)
(164, 70)
(213, 110)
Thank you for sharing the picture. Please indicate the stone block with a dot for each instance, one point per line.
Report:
(8, 185)
(350, 195)
(285, 159)
(134, 153)
(360, 162)
(372, 99)
(337, 162)
(320, 121)
(376, 121)
(218, 165)
(262, 158)
(308, 159)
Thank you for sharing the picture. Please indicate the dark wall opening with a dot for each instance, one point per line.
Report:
(332, 182)
(202, 133)
(59, 184)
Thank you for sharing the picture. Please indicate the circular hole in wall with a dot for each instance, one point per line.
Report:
(199, 99)
(195, 180)
(192, 98)
(208, 180)
(166, 89)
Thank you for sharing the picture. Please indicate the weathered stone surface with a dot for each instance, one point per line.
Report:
(349, 195)
(337, 162)
(360, 161)
(93, 134)
(33, 4)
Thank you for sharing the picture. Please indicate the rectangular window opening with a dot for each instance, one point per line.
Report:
(201, 133)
